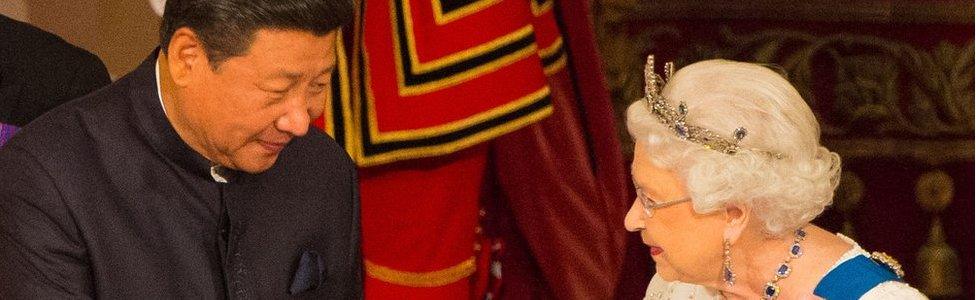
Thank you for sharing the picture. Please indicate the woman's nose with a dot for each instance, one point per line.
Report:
(633, 221)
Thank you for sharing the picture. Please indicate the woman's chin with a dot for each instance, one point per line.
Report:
(666, 272)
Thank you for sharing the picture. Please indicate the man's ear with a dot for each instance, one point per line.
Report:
(736, 220)
(186, 56)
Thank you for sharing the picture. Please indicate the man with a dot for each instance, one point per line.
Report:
(195, 176)
(38, 71)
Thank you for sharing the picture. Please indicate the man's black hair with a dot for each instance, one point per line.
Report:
(227, 27)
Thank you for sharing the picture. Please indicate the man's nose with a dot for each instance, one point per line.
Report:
(295, 121)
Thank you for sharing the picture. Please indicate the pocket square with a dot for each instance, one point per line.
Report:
(310, 273)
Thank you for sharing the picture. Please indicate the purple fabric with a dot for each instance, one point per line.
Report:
(6, 132)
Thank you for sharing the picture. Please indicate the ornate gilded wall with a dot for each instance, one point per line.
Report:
(891, 83)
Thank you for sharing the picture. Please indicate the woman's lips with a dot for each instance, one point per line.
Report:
(656, 250)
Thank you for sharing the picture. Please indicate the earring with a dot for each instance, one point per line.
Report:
(727, 273)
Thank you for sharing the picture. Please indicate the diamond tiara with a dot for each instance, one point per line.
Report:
(674, 118)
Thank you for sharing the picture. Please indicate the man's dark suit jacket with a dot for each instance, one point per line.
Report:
(39, 70)
(101, 198)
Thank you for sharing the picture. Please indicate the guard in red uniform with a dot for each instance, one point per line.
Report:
(424, 91)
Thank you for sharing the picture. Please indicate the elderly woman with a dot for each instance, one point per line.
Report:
(729, 172)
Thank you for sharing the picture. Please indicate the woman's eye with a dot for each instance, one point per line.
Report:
(648, 199)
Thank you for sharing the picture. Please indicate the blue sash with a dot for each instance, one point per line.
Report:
(853, 278)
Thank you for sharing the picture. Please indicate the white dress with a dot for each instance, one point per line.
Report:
(663, 289)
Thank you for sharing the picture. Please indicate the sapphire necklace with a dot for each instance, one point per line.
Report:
(771, 290)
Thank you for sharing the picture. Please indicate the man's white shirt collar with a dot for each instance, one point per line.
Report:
(159, 92)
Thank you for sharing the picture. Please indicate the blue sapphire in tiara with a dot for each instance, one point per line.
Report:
(682, 130)
(740, 133)
(801, 233)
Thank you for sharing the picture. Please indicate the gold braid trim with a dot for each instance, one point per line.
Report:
(889, 261)
(421, 279)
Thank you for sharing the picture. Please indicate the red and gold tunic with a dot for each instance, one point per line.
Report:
(422, 86)
(429, 78)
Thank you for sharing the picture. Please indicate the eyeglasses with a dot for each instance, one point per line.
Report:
(649, 205)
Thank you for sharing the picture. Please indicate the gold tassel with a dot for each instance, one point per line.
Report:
(937, 263)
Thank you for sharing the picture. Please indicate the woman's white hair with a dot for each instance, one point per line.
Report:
(721, 96)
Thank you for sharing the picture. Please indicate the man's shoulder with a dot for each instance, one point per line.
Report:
(29, 40)
(46, 55)
(322, 151)
(320, 145)
(72, 126)
(42, 71)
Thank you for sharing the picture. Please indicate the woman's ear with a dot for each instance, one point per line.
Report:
(736, 220)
